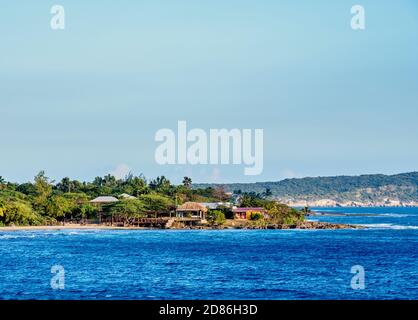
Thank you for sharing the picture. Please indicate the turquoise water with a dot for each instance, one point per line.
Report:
(230, 264)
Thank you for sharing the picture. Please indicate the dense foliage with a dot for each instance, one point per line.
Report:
(45, 202)
(216, 217)
(373, 187)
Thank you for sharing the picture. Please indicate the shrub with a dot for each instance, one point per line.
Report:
(19, 213)
(129, 208)
(256, 216)
(216, 217)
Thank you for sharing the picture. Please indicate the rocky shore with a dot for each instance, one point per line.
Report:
(306, 225)
(318, 225)
(300, 225)
(231, 225)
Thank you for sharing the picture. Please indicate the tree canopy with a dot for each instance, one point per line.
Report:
(43, 201)
(46, 201)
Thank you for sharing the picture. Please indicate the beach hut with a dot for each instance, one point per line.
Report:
(192, 209)
(104, 200)
(99, 202)
(126, 196)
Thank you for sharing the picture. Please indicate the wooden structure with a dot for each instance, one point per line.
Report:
(127, 196)
(99, 202)
(192, 210)
(104, 200)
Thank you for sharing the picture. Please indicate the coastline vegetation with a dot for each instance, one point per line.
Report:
(46, 202)
(368, 189)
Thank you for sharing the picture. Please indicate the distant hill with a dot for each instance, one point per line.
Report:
(372, 189)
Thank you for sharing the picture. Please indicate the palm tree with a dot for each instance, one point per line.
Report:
(65, 185)
(109, 180)
(160, 184)
(2, 182)
(187, 182)
(98, 181)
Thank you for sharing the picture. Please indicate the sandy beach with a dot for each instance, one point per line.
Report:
(68, 226)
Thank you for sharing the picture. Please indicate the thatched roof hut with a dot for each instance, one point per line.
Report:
(192, 206)
(105, 199)
(127, 196)
(192, 209)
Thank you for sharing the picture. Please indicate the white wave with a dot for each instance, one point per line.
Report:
(394, 215)
(15, 236)
(389, 226)
(7, 236)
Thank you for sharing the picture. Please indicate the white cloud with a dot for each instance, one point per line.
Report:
(288, 174)
(121, 171)
(215, 175)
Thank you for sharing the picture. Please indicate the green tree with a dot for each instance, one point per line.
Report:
(79, 206)
(281, 213)
(65, 185)
(127, 210)
(27, 189)
(43, 190)
(58, 207)
(257, 216)
(109, 180)
(216, 218)
(267, 193)
(156, 202)
(2, 212)
(19, 213)
(85, 211)
(161, 185)
(187, 182)
(139, 186)
(98, 182)
(252, 199)
(2, 183)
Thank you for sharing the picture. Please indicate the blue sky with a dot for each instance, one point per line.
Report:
(87, 100)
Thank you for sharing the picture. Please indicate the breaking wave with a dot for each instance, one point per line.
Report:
(393, 215)
(389, 226)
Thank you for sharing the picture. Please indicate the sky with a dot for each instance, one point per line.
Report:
(88, 100)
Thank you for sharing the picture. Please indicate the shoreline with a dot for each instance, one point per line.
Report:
(69, 227)
(313, 225)
(320, 204)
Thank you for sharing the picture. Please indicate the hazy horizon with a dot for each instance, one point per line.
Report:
(56, 180)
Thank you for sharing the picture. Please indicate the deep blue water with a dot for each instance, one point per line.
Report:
(231, 264)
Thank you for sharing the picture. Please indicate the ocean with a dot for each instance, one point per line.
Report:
(218, 264)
